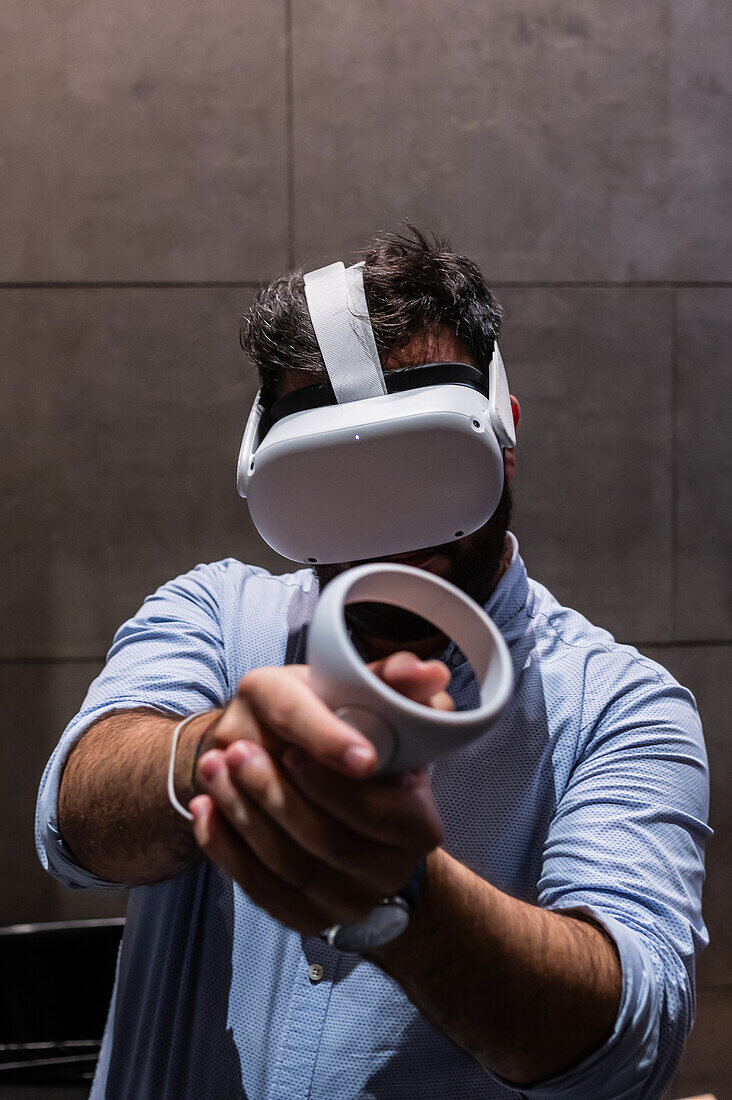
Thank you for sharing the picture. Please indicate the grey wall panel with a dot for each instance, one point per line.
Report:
(143, 142)
(705, 670)
(38, 700)
(591, 368)
(554, 141)
(123, 411)
(700, 152)
(704, 449)
(704, 1072)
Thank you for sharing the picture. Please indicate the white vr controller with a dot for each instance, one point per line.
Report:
(405, 734)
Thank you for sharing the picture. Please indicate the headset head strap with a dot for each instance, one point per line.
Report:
(340, 317)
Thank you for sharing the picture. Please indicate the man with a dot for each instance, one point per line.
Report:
(551, 950)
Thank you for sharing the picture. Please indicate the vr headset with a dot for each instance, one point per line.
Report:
(369, 465)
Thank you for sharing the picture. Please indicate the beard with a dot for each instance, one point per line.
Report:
(473, 563)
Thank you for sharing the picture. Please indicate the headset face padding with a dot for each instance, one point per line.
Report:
(403, 378)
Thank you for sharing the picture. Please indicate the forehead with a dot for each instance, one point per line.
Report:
(439, 345)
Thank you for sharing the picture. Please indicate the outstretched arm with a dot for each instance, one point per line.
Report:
(114, 812)
(529, 993)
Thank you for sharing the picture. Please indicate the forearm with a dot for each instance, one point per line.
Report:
(114, 812)
(529, 993)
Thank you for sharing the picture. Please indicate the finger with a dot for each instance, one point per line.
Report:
(400, 812)
(239, 723)
(280, 853)
(403, 668)
(224, 848)
(381, 867)
(290, 708)
(437, 672)
(418, 680)
(442, 701)
(213, 773)
(236, 722)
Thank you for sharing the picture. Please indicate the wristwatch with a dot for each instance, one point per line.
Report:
(384, 923)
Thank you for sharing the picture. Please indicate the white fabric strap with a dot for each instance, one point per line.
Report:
(501, 413)
(340, 317)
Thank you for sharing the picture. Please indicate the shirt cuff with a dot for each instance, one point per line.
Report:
(620, 1068)
(54, 854)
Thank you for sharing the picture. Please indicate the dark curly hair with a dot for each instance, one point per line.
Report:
(413, 282)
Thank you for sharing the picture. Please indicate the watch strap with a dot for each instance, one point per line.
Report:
(384, 923)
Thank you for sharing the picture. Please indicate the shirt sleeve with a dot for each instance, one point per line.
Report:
(626, 845)
(169, 658)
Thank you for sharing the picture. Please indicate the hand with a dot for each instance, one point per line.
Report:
(286, 812)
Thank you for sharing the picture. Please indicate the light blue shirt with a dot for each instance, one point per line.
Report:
(592, 791)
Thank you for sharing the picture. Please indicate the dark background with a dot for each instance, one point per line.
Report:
(157, 162)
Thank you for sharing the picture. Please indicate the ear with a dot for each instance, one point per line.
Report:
(509, 454)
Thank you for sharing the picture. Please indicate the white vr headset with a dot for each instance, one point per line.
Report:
(371, 465)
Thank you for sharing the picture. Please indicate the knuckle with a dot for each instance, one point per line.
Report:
(269, 695)
(252, 681)
(225, 723)
(281, 711)
(231, 723)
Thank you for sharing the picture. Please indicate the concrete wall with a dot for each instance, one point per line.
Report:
(158, 162)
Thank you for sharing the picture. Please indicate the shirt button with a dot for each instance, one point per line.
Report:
(315, 973)
(456, 659)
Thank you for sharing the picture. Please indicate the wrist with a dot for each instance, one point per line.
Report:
(195, 739)
(414, 935)
(385, 922)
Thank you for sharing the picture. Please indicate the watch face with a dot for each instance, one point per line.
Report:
(383, 924)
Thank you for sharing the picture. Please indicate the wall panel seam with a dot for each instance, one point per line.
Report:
(290, 134)
(255, 284)
(674, 465)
